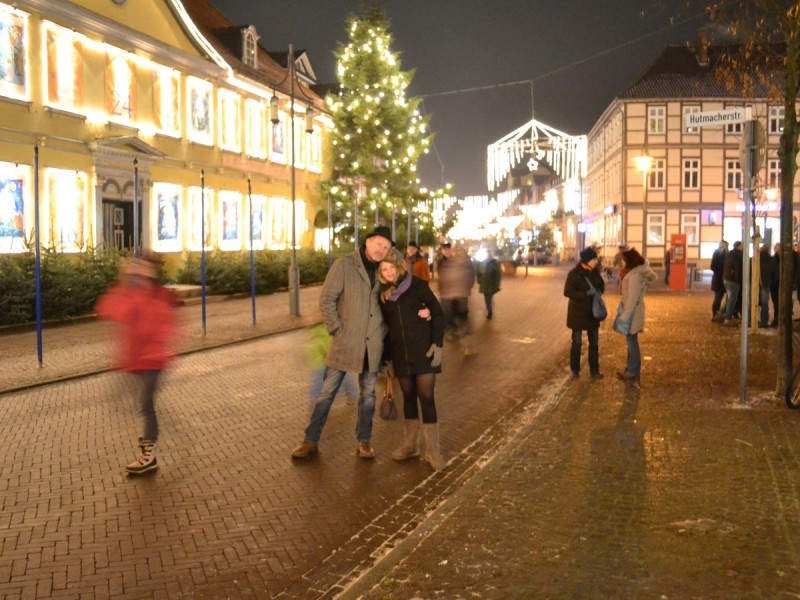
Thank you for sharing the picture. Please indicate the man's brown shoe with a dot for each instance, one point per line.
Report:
(304, 450)
(365, 450)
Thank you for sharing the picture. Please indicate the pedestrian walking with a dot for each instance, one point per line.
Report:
(146, 311)
(456, 279)
(416, 263)
(732, 276)
(319, 342)
(774, 286)
(583, 281)
(636, 275)
(414, 346)
(717, 282)
(489, 276)
(767, 275)
(667, 263)
(351, 314)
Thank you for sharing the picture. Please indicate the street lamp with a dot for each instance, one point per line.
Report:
(643, 163)
(294, 274)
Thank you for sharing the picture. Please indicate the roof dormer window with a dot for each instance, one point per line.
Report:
(250, 46)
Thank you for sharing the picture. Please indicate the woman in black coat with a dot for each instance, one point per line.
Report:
(717, 284)
(579, 311)
(415, 349)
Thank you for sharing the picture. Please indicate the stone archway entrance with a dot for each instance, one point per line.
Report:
(116, 163)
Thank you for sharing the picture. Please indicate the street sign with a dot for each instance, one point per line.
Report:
(715, 117)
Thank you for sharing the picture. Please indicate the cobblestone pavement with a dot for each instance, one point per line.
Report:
(228, 514)
(675, 490)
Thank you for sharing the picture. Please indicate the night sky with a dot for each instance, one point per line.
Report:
(580, 54)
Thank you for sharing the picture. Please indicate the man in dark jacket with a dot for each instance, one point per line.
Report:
(767, 266)
(717, 284)
(732, 276)
(489, 281)
(775, 284)
(578, 288)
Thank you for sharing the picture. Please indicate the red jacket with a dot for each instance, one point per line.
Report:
(147, 314)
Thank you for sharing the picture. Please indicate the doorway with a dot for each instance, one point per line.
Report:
(118, 224)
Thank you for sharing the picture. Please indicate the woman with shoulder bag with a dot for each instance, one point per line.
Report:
(582, 284)
(635, 275)
(415, 345)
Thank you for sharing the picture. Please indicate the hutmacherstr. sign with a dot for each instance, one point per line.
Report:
(715, 117)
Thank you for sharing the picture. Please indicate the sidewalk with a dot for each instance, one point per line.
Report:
(675, 490)
(83, 347)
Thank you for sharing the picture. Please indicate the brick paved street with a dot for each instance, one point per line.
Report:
(229, 515)
(673, 491)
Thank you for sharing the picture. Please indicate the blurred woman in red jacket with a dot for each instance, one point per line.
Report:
(146, 311)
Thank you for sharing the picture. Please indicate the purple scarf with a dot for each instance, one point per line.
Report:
(400, 289)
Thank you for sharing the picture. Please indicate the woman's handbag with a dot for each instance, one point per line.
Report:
(388, 409)
(599, 310)
(619, 325)
(624, 327)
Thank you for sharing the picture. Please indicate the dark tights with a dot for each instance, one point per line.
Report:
(418, 386)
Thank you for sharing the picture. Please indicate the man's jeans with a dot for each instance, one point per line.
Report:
(733, 296)
(366, 404)
(594, 350)
(634, 366)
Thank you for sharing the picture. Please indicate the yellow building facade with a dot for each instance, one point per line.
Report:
(102, 101)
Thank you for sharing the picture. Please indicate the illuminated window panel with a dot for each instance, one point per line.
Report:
(16, 214)
(120, 93)
(64, 70)
(315, 150)
(258, 212)
(199, 125)
(277, 140)
(278, 216)
(255, 121)
(230, 137)
(196, 198)
(166, 101)
(230, 220)
(66, 206)
(167, 202)
(14, 61)
(300, 142)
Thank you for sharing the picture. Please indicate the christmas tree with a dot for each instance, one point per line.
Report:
(378, 135)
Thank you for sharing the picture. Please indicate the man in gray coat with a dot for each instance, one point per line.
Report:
(352, 315)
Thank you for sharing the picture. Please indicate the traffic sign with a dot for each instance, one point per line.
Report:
(715, 117)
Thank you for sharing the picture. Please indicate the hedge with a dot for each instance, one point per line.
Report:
(72, 283)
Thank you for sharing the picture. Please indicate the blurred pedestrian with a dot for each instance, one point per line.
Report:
(667, 263)
(351, 314)
(489, 276)
(636, 275)
(766, 266)
(732, 276)
(146, 311)
(415, 349)
(319, 342)
(717, 283)
(456, 278)
(775, 284)
(583, 281)
(416, 263)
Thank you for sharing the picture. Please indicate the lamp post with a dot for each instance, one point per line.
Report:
(294, 273)
(643, 163)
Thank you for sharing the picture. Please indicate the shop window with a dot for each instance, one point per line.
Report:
(120, 89)
(230, 215)
(255, 122)
(201, 202)
(15, 207)
(66, 206)
(199, 114)
(14, 64)
(166, 101)
(690, 226)
(655, 229)
(229, 121)
(167, 201)
(64, 68)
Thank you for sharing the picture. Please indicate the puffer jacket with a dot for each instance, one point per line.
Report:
(633, 289)
(576, 288)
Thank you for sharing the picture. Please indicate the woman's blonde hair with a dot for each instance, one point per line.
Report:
(395, 258)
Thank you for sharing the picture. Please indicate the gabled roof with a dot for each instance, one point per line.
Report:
(677, 73)
(301, 61)
(226, 39)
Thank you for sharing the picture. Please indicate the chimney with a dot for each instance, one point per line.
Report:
(701, 48)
